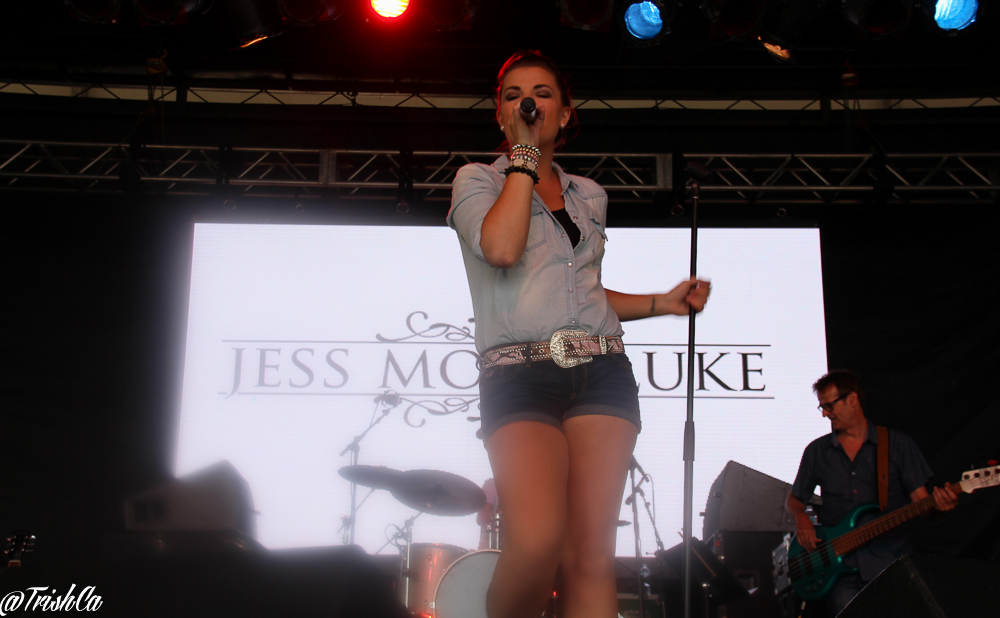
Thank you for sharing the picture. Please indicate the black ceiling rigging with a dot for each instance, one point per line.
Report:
(709, 47)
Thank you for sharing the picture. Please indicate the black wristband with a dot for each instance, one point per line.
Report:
(520, 169)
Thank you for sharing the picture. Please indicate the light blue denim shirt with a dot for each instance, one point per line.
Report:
(555, 286)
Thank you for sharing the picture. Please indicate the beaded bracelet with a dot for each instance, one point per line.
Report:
(524, 154)
(521, 154)
(529, 150)
(520, 169)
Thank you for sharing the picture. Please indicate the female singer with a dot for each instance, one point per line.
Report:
(559, 434)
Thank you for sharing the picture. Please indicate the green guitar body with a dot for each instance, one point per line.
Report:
(816, 572)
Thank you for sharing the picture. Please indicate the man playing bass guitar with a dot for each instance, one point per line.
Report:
(844, 465)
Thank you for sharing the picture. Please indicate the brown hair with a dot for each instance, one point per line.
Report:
(846, 382)
(535, 58)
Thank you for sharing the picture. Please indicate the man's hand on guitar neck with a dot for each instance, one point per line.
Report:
(944, 497)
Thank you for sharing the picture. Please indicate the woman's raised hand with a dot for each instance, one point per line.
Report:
(520, 132)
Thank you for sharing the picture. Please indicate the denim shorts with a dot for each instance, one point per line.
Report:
(545, 392)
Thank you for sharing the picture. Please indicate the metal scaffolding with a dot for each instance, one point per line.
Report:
(826, 178)
(286, 96)
(426, 176)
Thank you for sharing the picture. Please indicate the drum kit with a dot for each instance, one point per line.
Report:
(438, 580)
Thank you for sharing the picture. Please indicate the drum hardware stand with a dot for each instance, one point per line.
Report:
(493, 528)
(389, 400)
(406, 534)
(348, 522)
(699, 173)
(642, 573)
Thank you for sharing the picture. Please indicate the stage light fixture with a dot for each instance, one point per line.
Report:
(646, 22)
(790, 24)
(168, 12)
(253, 20)
(390, 8)
(954, 15)
(734, 19)
(594, 15)
(309, 12)
(878, 18)
(95, 11)
(778, 51)
(449, 14)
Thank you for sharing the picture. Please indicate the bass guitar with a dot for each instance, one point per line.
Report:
(813, 574)
(20, 542)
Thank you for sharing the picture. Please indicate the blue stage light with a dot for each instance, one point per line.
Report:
(955, 14)
(643, 21)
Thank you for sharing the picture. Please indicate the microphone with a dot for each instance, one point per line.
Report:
(639, 491)
(635, 464)
(529, 111)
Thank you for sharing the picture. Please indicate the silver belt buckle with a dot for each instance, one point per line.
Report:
(557, 348)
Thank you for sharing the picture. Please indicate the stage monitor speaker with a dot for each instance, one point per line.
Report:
(747, 555)
(712, 583)
(323, 582)
(744, 500)
(930, 587)
(214, 498)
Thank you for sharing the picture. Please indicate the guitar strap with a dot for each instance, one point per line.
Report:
(883, 466)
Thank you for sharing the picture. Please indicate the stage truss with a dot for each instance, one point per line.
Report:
(416, 177)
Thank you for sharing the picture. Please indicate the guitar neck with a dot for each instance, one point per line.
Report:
(856, 538)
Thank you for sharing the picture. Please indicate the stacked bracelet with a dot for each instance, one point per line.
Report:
(522, 169)
(527, 163)
(526, 152)
(524, 159)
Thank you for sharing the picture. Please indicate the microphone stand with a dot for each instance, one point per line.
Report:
(390, 402)
(698, 173)
(635, 530)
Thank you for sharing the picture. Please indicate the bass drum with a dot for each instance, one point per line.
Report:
(461, 593)
(428, 563)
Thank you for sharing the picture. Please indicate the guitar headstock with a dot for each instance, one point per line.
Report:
(983, 477)
(19, 543)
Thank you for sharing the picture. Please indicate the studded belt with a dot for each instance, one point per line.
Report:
(567, 348)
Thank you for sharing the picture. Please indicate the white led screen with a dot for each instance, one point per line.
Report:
(294, 330)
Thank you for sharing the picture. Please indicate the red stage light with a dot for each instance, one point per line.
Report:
(309, 12)
(168, 12)
(95, 11)
(878, 18)
(588, 14)
(390, 8)
(449, 14)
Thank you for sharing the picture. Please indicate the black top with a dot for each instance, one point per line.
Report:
(564, 220)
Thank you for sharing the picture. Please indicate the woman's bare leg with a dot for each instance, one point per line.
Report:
(600, 450)
(530, 463)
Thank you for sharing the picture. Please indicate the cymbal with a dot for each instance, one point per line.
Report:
(438, 493)
(376, 477)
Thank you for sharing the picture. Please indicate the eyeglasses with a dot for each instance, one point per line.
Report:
(828, 407)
